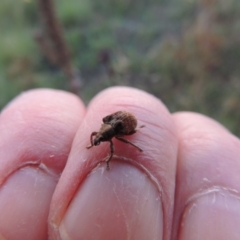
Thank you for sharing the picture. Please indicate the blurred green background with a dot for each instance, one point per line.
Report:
(186, 52)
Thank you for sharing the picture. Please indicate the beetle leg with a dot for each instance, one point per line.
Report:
(127, 141)
(111, 154)
(91, 139)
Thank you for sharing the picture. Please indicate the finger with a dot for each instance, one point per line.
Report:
(134, 199)
(36, 132)
(207, 190)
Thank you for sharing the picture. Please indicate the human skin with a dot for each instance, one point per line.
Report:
(184, 185)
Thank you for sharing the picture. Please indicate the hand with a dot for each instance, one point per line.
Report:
(185, 183)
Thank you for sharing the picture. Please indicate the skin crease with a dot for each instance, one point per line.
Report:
(189, 162)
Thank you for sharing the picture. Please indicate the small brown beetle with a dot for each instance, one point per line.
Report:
(115, 125)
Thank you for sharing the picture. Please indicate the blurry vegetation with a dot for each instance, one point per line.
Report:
(185, 52)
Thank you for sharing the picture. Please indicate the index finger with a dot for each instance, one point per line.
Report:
(134, 200)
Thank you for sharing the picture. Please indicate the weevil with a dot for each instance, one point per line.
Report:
(116, 125)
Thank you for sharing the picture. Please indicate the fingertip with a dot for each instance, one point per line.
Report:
(207, 178)
(37, 129)
(39, 119)
(158, 140)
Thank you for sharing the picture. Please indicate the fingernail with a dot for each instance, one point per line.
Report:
(24, 204)
(122, 203)
(212, 216)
